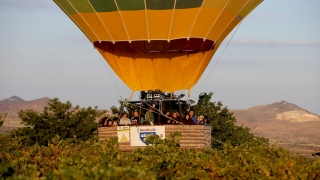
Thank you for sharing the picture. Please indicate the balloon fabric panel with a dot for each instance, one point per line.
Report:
(113, 23)
(159, 23)
(152, 44)
(183, 21)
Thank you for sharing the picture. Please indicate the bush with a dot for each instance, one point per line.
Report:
(73, 152)
(57, 119)
(64, 159)
(2, 119)
(223, 124)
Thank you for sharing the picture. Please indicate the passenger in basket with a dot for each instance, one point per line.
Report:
(200, 120)
(103, 122)
(205, 120)
(149, 119)
(175, 118)
(115, 121)
(187, 120)
(124, 120)
(135, 118)
(165, 119)
(193, 117)
(109, 123)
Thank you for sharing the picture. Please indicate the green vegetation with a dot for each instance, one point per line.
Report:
(2, 118)
(58, 119)
(223, 124)
(63, 144)
(64, 159)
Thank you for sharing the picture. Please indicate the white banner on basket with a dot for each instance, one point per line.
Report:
(123, 133)
(139, 134)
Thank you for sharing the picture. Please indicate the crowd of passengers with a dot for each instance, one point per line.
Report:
(148, 119)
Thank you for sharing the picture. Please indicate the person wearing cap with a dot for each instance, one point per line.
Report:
(149, 119)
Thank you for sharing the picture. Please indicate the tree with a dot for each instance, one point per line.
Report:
(58, 119)
(223, 122)
(125, 108)
(2, 118)
(172, 96)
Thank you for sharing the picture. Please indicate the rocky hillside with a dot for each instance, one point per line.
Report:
(14, 104)
(277, 111)
(12, 99)
(11, 106)
(283, 123)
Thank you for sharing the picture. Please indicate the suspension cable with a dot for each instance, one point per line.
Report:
(112, 79)
(203, 57)
(219, 57)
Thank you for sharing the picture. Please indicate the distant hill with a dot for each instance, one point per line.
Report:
(283, 111)
(12, 99)
(283, 123)
(14, 104)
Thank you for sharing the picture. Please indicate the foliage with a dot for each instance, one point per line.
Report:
(223, 122)
(55, 155)
(143, 95)
(57, 119)
(124, 108)
(64, 159)
(2, 118)
(172, 96)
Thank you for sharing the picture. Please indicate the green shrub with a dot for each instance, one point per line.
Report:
(2, 118)
(62, 144)
(223, 122)
(58, 119)
(72, 159)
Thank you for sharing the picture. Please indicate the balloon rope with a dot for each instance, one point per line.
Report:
(111, 77)
(137, 73)
(219, 57)
(203, 57)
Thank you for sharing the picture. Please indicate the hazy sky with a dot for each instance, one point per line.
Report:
(274, 56)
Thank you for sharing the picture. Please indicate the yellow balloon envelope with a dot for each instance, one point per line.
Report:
(157, 44)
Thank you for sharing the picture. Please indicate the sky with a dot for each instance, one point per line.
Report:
(274, 55)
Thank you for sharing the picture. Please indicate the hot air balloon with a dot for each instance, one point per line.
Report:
(157, 44)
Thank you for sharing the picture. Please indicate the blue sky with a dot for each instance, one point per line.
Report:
(273, 56)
